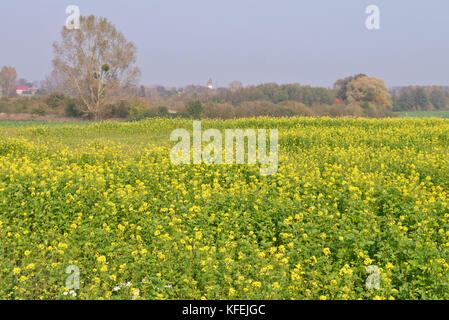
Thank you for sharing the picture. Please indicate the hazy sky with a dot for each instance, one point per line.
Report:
(184, 42)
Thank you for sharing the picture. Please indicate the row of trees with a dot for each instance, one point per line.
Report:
(216, 110)
(275, 93)
(420, 98)
(262, 102)
(358, 95)
(95, 76)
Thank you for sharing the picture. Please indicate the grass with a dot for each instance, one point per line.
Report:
(424, 114)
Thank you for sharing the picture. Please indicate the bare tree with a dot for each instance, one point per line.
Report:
(95, 63)
(53, 82)
(8, 78)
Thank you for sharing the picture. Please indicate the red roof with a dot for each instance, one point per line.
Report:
(22, 88)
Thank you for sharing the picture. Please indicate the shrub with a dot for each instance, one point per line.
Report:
(163, 110)
(219, 111)
(138, 107)
(298, 108)
(72, 108)
(39, 110)
(195, 109)
(55, 100)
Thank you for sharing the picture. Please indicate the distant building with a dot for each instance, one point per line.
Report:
(210, 85)
(26, 91)
(21, 90)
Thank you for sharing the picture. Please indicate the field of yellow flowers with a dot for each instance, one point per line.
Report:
(105, 198)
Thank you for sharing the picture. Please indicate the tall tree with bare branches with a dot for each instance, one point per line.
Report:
(96, 64)
(8, 78)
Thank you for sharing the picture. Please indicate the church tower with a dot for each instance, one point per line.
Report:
(210, 84)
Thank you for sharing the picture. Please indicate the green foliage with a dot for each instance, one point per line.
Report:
(276, 93)
(421, 98)
(195, 109)
(138, 107)
(55, 100)
(163, 110)
(40, 110)
(72, 108)
(424, 114)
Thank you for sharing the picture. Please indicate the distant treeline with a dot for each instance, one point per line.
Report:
(359, 96)
(427, 98)
(276, 94)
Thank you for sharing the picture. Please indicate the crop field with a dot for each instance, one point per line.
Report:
(104, 199)
(424, 114)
